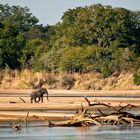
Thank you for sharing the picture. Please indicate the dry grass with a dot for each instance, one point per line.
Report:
(27, 79)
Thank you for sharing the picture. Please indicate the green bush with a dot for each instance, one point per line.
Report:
(52, 60)
(71, 60)
(105, 70)
(136, 79)
(77, 59)
(39, 64)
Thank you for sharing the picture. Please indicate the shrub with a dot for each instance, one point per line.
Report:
(105, 70)
(50, 80)
(39, 64)
(136, 79)
(77, 59)
(52, 60)
(68, 82)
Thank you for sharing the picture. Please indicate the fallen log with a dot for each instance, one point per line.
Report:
(82, 122)
(119, 116)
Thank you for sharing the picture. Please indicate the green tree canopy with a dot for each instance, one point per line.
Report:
(91, 38)
(15, 21)
(99, 25)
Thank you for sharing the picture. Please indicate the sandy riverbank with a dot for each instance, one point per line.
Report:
(58, 108)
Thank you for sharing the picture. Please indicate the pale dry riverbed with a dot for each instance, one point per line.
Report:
(62, 104)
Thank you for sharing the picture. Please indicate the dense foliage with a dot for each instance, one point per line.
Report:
(15, 21)
(92, 38)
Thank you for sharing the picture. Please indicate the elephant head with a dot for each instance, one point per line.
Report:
(43, 91)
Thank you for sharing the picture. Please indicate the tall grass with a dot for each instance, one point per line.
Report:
(28, 79)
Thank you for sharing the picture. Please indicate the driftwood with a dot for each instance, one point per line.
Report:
(12, 102)
(22, 100)
(16, 126)
(119, 115)
(25, 120)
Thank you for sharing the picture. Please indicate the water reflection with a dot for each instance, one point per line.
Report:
(72, 133)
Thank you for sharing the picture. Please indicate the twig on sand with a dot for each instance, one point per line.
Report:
(22, 100)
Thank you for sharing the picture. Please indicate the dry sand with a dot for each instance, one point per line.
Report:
(58, 108)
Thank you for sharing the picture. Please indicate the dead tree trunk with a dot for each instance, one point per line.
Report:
(119, 116)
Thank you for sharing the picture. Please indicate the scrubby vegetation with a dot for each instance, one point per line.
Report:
(29, 79)
(88, 39)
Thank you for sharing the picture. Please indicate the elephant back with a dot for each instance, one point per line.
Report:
(43, 91)
(34, 93)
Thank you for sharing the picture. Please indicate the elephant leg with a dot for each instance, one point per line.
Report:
(31, 100)
(35, 99)
(41, 99)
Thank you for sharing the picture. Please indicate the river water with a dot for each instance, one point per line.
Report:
(72, 133)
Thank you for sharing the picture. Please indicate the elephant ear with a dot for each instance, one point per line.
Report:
(42, 90)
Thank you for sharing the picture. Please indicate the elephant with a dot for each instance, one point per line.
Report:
(38, 94)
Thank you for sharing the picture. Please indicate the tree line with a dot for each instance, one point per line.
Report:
(91, 38)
